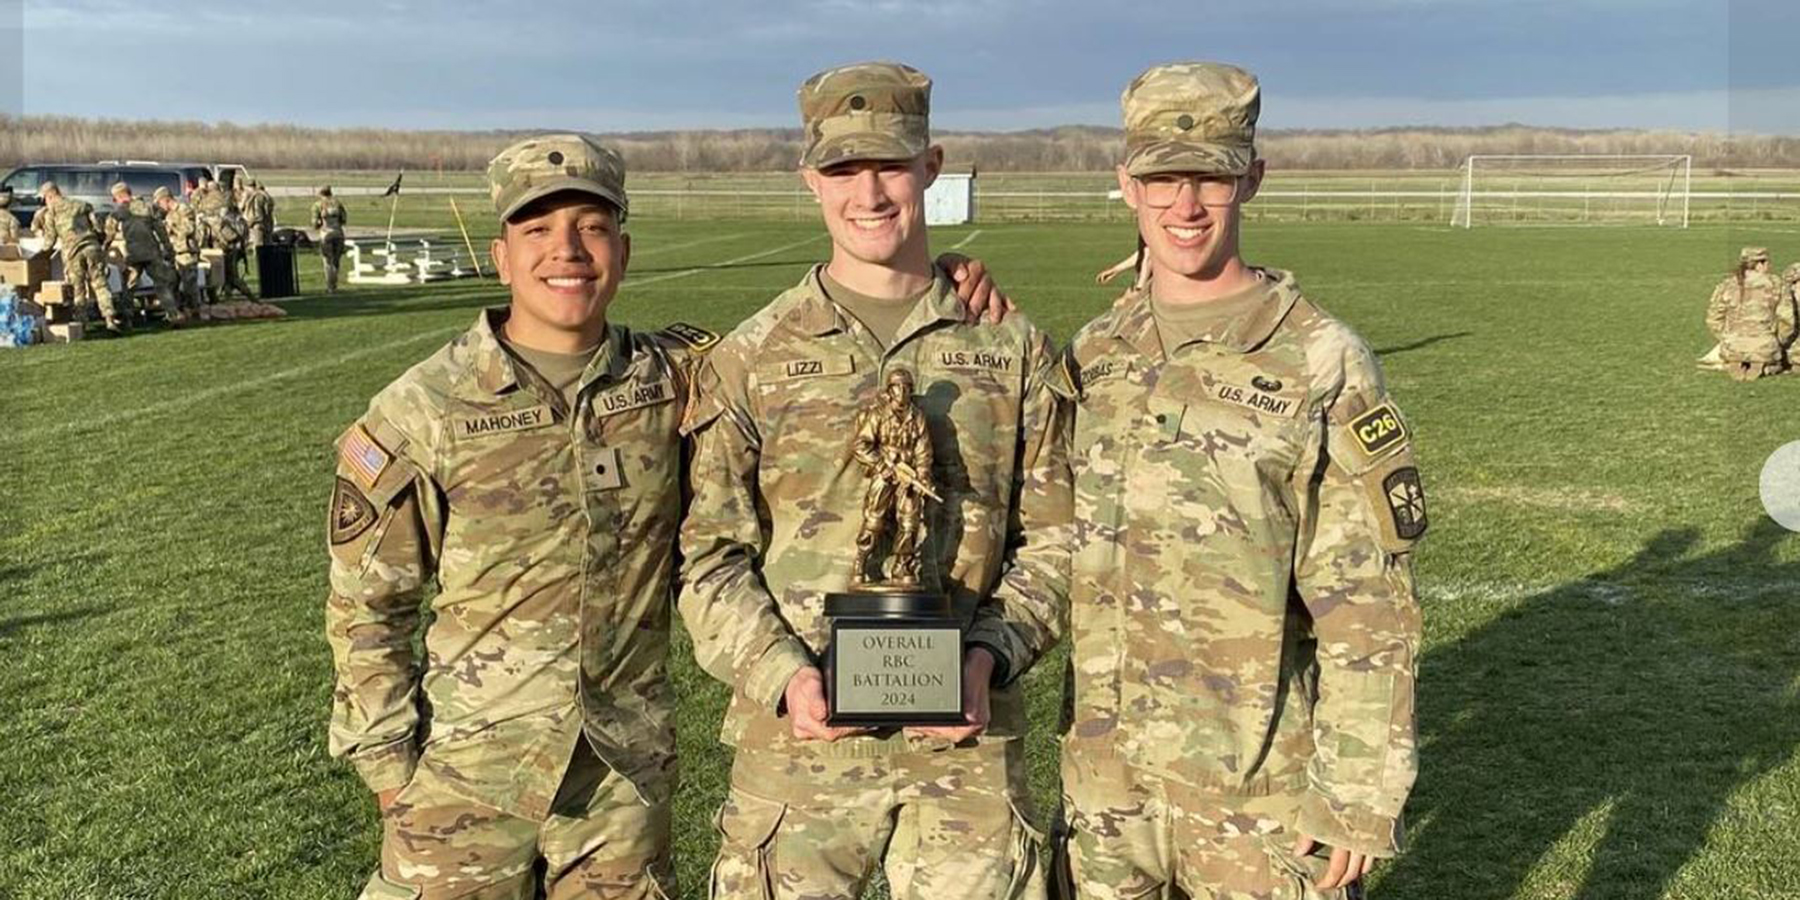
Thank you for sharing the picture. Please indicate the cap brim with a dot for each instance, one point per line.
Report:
(545, 189)
(860, 147)
(1187, 156)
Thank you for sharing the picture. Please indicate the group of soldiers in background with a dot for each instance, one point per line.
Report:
(1754, 316)
(162, 237)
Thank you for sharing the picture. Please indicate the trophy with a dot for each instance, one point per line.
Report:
(896, 650)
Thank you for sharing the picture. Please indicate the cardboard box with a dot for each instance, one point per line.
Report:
(50, 293)
(65, 332)
(212, 264)
(26, 272)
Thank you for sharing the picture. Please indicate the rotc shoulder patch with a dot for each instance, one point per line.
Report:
(1378, 429)
(696, 338)
(1406, 502)
(351, 512)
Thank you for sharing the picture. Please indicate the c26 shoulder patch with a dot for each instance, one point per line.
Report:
(1406, 502)
(351, 512)
(1378, 429)
(696, 338)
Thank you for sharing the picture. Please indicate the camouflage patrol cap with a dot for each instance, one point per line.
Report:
(1191, 117)
(1753, 255)
(873, 111)
(120, 187)
(162, 193)
(541, 166)
(1792, 275)
(48, 187)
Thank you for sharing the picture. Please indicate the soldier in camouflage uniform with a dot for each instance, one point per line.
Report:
(1242, 609)
(1747, 315)
(9, 223)
(773, 523)
(543, 434)
(259, 214)
(530, 469)
(69, 224)
(135, 225)
(1787, 312)
(229, 232)
(329, 218)
(182, 228)
(208, 199)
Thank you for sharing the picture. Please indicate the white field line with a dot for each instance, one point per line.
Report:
(670, 248)
(670, 276)
(967, 240)
(173, 403)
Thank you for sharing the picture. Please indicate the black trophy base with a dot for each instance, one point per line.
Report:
(895, 659)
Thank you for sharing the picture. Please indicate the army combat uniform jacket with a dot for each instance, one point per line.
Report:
(69, 226)
(1752, 319)
(137, 231)
(777, 494)
(1242, 607)
(182, 226)
(550, 534)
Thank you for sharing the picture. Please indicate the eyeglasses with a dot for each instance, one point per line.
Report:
(1161, 191)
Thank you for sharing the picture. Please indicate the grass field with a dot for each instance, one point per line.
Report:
(1610, 692)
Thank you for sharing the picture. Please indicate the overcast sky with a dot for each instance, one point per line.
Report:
(618, 65)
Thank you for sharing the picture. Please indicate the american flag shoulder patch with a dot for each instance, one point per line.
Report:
(361, 456)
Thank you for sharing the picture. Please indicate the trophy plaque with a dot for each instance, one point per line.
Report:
(896, 651)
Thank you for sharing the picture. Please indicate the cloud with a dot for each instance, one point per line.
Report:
(997, 63)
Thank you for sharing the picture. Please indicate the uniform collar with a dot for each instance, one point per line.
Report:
(817, 316)
(496, 371)
(1136, 323)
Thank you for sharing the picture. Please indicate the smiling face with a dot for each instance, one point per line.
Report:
(564, 256)
(1196, 235)
(875, 209)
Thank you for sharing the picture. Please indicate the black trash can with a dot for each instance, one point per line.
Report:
(277, 271)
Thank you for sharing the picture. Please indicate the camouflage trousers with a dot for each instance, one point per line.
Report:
(234, 276)
(331, 249)
(84, 270)
(600, 841)
(1130, 836)
(187, 285)
(947, 823)
(163, 276)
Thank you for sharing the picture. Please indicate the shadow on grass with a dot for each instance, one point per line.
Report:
(412, 298)
(1625, 707)
(11, 626)
(1421, 343)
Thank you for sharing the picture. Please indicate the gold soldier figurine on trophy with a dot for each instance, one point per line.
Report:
(894, 446)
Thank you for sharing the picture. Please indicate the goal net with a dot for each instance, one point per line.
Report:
(1583, 189)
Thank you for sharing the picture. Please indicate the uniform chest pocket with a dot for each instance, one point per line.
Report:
(815, 391)
(1243, 446)
(1104, 409)
(498, 476)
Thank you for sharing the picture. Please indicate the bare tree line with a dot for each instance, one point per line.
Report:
(1066, 149)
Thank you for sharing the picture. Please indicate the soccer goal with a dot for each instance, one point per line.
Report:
(1574, 189)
